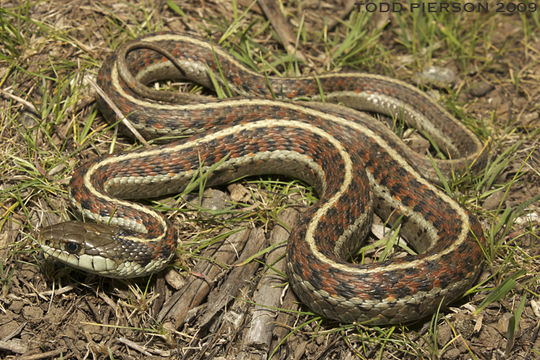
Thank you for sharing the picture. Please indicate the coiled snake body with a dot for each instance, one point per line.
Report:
(355, 164)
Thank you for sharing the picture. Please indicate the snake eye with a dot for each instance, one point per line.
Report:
(72, 247)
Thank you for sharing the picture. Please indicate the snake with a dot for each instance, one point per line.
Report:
(321, 129)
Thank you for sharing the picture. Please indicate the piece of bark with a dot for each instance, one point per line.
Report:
(203, 275)
(220, 297)
(269, 294)
(284, 324)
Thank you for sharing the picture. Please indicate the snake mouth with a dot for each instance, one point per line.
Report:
(90, 263)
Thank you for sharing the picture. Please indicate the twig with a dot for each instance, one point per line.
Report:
(135, 346)
(28, 105)
(46, 355)
(117, 111)
(281, 26)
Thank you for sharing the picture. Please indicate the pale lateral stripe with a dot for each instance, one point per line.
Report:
(232, 59)
(347, 75)
(225, 132)
(224, 54)
(276, 155)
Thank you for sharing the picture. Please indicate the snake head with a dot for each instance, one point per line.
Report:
(96, 248)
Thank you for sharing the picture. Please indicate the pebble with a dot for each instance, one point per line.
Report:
(436, 75)
(481, 88)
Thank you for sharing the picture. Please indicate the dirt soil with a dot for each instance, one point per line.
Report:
(49, 311)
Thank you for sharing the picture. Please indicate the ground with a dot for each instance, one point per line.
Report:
(204, 305)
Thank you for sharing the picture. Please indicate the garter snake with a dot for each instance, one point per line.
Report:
(356, 164)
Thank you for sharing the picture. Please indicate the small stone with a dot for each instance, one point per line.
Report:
(215, 200)
(481, 88)
(16, 306)
(493, 201)
(452, 353)
(437, 76)
(504, 321)
(33, 313)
